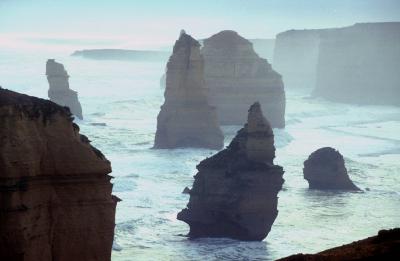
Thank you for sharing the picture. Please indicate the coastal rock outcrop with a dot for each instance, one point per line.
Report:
(325, 169)
(384, 246)
(360, 64)
(186, 119)
(59, 91)
(55, 192)
(236, 77)
(235, 191)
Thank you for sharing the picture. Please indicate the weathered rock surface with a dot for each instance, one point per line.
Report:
(235, 191)
(186, 119)
(360, 64)
(384, 246)
(55, 194)
(325, 169)
(59, 91)
(236, 77)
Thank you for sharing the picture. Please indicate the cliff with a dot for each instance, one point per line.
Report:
(384, 246)
(235, 191)
(186, 119)
(59, 91)
(325, 169)
(360, 64)
(55, 192)
(236, 77)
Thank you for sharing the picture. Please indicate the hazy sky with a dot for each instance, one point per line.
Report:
(151, 23)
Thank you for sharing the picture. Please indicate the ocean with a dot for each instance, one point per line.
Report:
(126, 97)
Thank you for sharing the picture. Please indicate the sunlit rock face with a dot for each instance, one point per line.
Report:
(384, 246)
(360, 64)
(186, 119)
(56, 201)
(235, 191)
(59, 91)
(296, 57)
(236, 77)
(325, 169)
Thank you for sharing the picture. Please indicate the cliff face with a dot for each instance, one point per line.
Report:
(360, 64)
(59, 91)
(236, 77)
(186, 119)
(55, 194)
(325, 169)
(235, 191)
(384, 246)
(296, 56)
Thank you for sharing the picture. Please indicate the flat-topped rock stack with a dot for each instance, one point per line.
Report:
(235, 191)
(59, 91)
(236, 77)
(186, 119)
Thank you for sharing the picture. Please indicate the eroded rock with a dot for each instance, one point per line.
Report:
(55, 192)
(325, 169)
(59, 91)
(236, 77)
(186, 119)
(235, 191)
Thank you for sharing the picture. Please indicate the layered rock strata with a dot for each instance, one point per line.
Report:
(384, 246)
(55, 192)
(59, 91)
(236, 76)
(235, 191)
(325, 169)
(186, 119)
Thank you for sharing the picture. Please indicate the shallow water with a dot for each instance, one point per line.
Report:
(126, 97)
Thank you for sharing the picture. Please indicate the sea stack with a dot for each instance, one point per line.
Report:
(236, 77)
(59, 91)
(186, 119)
(325, 169)
(56, 201)
(235, 191)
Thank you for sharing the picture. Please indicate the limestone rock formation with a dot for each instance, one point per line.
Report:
(384, 246)
(59, 91)
(55, 194)
(296, 57)
(360, 64)
(325, 169)
(186, 119)
(235, 191)
(236, 76)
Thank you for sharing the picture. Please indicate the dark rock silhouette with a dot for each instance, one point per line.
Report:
(236, 76)
(325, 169)
(56, 201)
(59, 91)
(235, 191)
(384, 246)
(186, 119)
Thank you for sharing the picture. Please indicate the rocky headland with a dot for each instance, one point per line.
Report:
(59, 91)
(325, 169)
(186, 119)
(384, 246)
(236, 77)
(235, 191)
(55, 191)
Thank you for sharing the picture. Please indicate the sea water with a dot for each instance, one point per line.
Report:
(126, 97)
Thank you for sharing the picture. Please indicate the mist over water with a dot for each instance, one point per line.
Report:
(121, 101)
